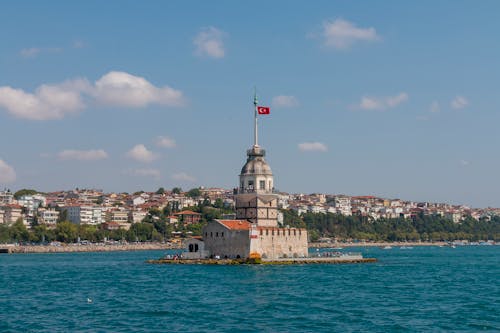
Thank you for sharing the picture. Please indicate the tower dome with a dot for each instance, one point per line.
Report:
(256, 164)
(256, 174)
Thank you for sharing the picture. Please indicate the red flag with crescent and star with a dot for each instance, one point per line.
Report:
(263, 110)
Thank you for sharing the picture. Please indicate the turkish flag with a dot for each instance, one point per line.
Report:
(263, 110)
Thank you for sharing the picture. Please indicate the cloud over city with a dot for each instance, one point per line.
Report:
(127, 90)
(382, 103)
(55, 101)
(165, 142)
(284, 101)
(342, 34)
(7, 173)
(183, 177)
(141, 154)
(209, 42)
(459, 102)
(145, 172)
(82, 155)
(312, 147)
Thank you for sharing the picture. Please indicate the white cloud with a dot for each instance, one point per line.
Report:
(48, 101)
(435, 108)
(209, 42)
(382, 103)
(155, 173)
(142, 154)
(341, 34)
(312, 146)
(285, 101)
(32, 52)
(7, 173)
(123, 89)
(182, 176)
(459, 102)
(54, 101)
(78, 44)
(82, 155)
(165, 142)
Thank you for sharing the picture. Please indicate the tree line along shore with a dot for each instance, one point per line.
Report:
(356, 228)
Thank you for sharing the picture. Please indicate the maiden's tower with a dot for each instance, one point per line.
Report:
(255, 231)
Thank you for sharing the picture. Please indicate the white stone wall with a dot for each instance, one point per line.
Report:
(273, 243)
(221, 241)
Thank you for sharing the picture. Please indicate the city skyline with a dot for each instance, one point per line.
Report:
(387, 99)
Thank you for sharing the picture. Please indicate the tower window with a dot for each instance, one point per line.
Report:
(262, 185)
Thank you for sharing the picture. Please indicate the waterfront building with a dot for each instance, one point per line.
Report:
(255, 232)
(84, 214)
(6, 197)
(48, 216)
(11, 213)
(119, 217)
(188, 217)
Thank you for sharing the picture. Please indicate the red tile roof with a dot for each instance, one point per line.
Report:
(236, 224)
(187, 212)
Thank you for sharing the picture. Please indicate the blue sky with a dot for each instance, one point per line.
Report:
(387, 98)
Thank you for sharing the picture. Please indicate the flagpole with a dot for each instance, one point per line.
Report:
(255, 102)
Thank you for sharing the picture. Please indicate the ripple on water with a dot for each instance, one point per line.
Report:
(423, 289)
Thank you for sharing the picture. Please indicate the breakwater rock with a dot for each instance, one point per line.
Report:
(284, 261)
(87, 248)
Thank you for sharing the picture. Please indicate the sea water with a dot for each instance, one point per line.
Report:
(424, 289)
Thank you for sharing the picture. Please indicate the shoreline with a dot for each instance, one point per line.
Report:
(375, 244)
(69, 248)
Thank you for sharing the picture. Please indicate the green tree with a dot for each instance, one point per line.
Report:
(41, 233)
(18, 231)
(66, 232)
(161, 190)
(63, 215)
(24, 191)
(194, 193)
(4, 233)
(177, 190)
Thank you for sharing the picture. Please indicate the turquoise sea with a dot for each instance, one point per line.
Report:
(426, 289)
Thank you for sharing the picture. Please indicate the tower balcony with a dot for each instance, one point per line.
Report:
(247, 190)
(256, 151)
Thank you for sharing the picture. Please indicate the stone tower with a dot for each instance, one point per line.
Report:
(255, 200)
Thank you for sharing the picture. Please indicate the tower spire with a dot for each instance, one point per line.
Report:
(255, 132)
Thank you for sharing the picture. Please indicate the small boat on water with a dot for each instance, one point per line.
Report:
(387, 247)
(406, 247)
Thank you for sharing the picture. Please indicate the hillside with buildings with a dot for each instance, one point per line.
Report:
(168, 214)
